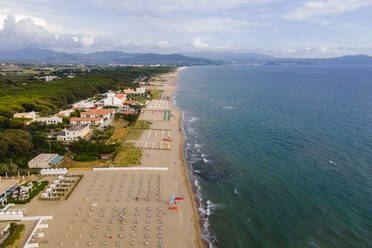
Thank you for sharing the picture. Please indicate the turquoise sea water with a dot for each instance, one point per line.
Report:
(282, 155)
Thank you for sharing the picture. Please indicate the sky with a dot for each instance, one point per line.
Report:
(282, 28)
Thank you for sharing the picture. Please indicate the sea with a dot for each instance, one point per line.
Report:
(280, 156)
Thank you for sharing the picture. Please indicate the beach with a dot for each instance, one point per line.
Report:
(120, 208)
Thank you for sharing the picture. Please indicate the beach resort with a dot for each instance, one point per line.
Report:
(150, 204)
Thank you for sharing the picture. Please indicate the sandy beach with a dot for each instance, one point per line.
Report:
(124, 208)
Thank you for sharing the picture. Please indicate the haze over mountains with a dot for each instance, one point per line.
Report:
(256, 58)
(36, 55)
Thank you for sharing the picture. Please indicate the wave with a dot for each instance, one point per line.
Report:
(229, 107)
(174, 99)
(236, 192)
(204, 212)
(204, 158)
(193, 119)
(211, 206)
(197, 147)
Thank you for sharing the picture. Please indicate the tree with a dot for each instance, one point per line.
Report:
(4, 122)
(16, 123)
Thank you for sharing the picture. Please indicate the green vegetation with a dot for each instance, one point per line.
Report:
(142, 124)
(155, 94)
(87, 151)
(48, 98)
(36, 188)
(18, 146)
(131, 119)
(102, 135)
(15, 234)
(127, 156)
(134, 134)
(19, 142)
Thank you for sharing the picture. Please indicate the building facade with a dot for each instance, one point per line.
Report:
(104, 113)
(95, 121)
(74, 133)
(50, 120)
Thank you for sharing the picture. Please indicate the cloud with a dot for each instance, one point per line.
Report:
(197, 43)
(160, 6)
(87, 41)
(204, 25)
(326, 7)
(320, 50)
(26, 32)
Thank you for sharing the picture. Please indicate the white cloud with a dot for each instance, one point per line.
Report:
(197, 43)
(87, 41)
(326, 7)
(203, 25)
(27, 32)
(160, 6)
(319, 50)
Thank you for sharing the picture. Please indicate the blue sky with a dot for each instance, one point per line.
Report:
(286, 28)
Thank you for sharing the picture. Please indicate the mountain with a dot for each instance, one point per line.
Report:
(344, 60)
(234, 57)
(256, 58)
(36, 55)
(198, 58)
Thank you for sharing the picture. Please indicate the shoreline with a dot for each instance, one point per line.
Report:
(191, 189)
(109, 190)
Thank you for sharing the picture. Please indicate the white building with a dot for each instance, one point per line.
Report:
(104, 113)
(74, 133)
(27, 115)
(50, 120)
(66, 113)
(113, 99)
(96, 121)
(49, 78)
(140, 90)
(84, 104)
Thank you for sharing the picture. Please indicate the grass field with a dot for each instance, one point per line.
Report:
(121, 131)
(120, 134)
(127, 156)
(155, 94)
(69, 163)
(134, 134)
(142, 124)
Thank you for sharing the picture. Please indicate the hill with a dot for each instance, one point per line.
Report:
(35, 55)
(256, 58)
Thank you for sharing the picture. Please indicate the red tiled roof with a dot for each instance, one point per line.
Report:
(120, 96)
(76, 108)
(86, 119)
(98, 112)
